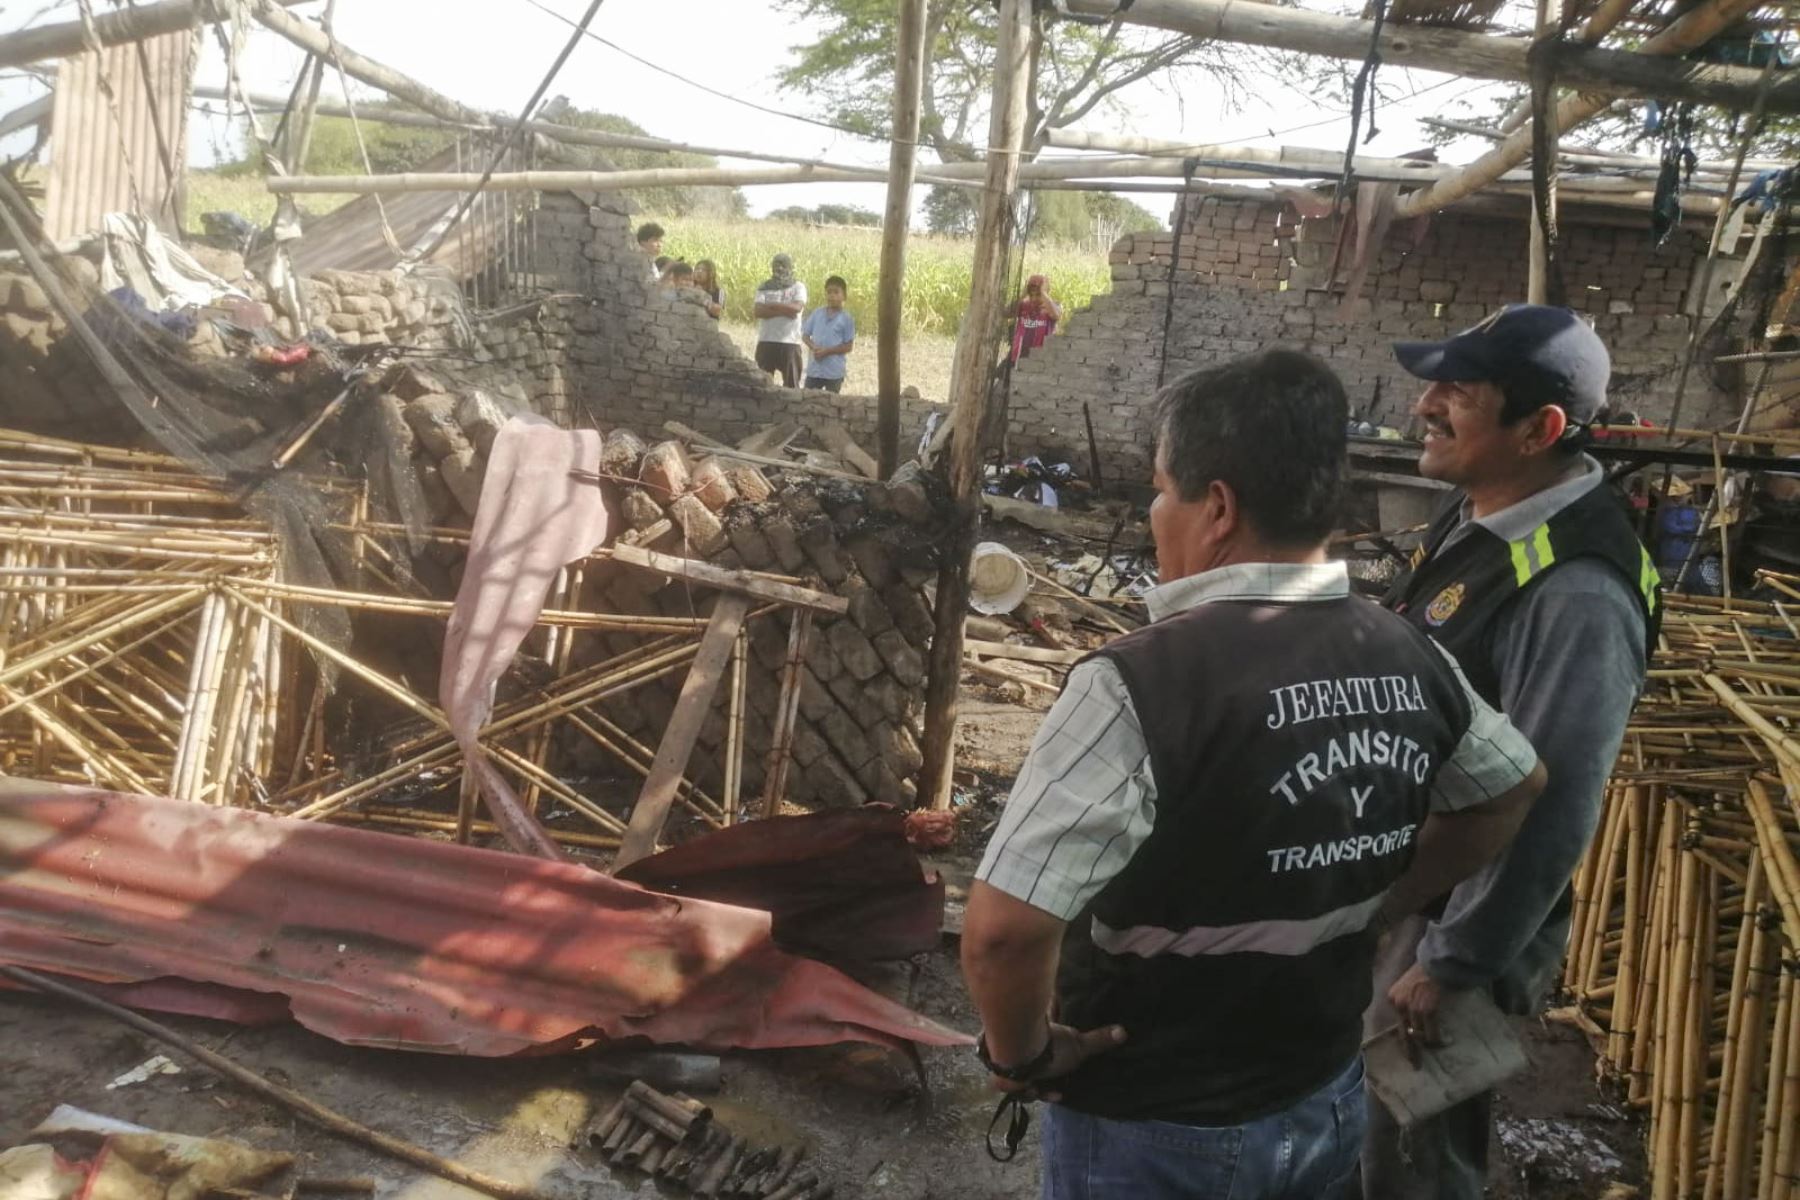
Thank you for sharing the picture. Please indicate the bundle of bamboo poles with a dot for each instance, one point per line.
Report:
(148, 643)
(121, 665)
(1685, 950)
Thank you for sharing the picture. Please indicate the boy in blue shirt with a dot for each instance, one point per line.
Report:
(830, 334)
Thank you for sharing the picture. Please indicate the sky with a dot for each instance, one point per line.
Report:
(491, 54)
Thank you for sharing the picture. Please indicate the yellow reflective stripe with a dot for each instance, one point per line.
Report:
(1521, 565)
(1540, 541)
(1532, 554)
(1647, 579)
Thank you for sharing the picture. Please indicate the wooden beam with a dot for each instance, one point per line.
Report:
(313, 40)
(548, 130)
(1587, 69)
(742, 583)
(1699, 26)
(133, 24)
(837, 439)
(1032, 654)
(896, 222)
(971, 375)
(683, 730)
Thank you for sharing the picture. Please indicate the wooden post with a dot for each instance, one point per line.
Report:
(672, 754)
(1543, 168)
(973, 374)
(909, 77)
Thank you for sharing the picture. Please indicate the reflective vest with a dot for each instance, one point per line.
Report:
(1294, 747)
(1459, 594)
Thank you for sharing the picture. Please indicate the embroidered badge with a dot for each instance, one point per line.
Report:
(1445, 604)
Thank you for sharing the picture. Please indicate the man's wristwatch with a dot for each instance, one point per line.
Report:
(1024, 1072)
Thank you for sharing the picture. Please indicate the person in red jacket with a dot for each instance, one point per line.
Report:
(1034, 317)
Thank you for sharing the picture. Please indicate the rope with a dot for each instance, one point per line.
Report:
(1358, 91)
(387, 230)
(1701, 289)
(1181, 226)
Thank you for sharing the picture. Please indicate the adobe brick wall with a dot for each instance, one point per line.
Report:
(1239, 278)
(639, 355)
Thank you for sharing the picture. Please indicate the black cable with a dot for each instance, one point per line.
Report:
(1358, 91)
(1188, 168)
(510, 143)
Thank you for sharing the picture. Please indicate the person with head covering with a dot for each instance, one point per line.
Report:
(1170, 934)
(1034, 317)
(1533, 578)
(780, 301)
(706, 278)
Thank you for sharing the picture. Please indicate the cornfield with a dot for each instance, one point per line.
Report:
(937, 269)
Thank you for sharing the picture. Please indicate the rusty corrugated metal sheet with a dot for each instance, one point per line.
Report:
(380, 940)
(98, 163)
(350, 238)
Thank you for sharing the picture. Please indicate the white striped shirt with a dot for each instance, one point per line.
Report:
(1086, 798)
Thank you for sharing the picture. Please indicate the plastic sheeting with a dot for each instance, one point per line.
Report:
(378, 940)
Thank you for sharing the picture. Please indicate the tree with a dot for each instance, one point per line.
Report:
(1086, 217)
(949, 211)
(1081, 66)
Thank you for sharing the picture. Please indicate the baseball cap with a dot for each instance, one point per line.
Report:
(1536, 353)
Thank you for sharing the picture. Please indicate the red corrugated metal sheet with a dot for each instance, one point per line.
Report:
(95, 159)
(400, 942)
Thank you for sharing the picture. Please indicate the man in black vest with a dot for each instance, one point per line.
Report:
(1532, 577)
(1221, 811)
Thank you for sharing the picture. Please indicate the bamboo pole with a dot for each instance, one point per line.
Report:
(138, 23)
(909, 74)
(1601, 72)
(1693, 29)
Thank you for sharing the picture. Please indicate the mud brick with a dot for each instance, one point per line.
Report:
(885, 696)
(909, 612)
(833, 785)
(821, 546)
(785, 544)
(665, 470)
(847, 692)
(809, 746)
(874, 560)
(858, 655)
(821, 659)
(433, 421)
(463, 472)
(641, 510)
(750, 484)
(621, 453)
(866, 609)
(906, 663)
(816, 700)
(709, 483)
(700, 528)
(751, 545)
(847, 738)
(897, 748)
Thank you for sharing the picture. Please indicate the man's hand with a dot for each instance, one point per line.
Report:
(1416, 996)
(1069, 1048)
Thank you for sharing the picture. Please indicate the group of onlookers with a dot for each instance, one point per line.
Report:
(828, 333)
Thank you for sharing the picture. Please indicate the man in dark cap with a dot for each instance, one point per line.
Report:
(1533, 579)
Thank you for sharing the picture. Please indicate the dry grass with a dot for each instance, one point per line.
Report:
(246, 196)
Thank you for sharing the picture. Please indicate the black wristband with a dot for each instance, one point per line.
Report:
(1024, 1072)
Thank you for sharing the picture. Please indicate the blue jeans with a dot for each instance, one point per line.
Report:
(1307, 1152)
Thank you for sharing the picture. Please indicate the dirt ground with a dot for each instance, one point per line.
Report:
(865, 1120)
